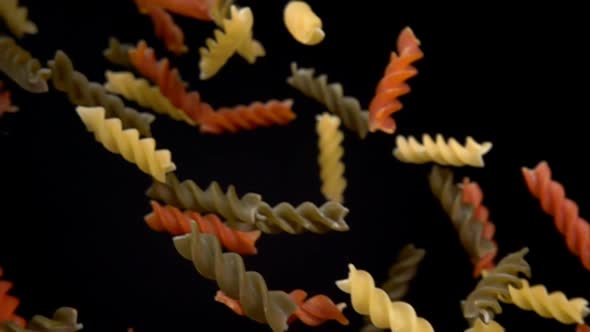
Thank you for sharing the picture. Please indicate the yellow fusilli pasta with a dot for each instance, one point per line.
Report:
(330, 155)
(555, 305)
(16, 18)
(303, 24)
(409, 150)
(237, 31)
(142, 152)
(140, 91)
(480, 326)
(374, 302)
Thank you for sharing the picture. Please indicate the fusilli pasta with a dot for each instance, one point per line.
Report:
(408, 150)
(197, 9)
(480, 326)
(16, 19)
(374, 302)
(302, 23)
(142, 152)
(259, 304)
(6, 101)
(64, 319)
(166, 30)
(118, 53)
(330, 157)
(8, 303)
(18, 64)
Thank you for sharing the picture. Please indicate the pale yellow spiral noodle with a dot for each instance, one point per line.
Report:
(374, 302)
(142, 92)
(303, 24)
(480, 326)
(142, 152)
(442, 152)
(330, 155)
(555, 305)
(238, 30)
(16, 18)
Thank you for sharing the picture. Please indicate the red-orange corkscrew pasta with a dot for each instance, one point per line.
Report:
(8, 303)
(167, 30)
(392, 85)
(191, 8)
(583, 328)
(312, 312)
(473, 195)
(6, 101)
(248, 117)
(172, 220)
(551, 195)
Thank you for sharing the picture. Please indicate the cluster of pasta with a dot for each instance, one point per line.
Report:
(214, 227)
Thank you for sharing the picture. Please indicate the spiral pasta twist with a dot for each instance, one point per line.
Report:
(248, 117)
(564, 211)
(175, 222)
(18, 64)
(6, 101)
(142, 152)
(302, 23)
(166, 30)
(331, 95)
(583, 328)
(462, 215)
(555, 305)
(250, 209)
(8, 303)
(330, 157)
(237, 30)
(118, 53)
(65, 319)
(16, 19)
(259, 304)
(482, 302)
(140, 91)
(480, 326)
(408, 150)
(197, 9)
(84, 93)
(392, 85)
(374, 302)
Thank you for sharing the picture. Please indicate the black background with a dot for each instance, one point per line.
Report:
(72, 229)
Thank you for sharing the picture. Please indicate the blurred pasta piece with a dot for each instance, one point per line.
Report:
(20, 66)
(197, 9)
(330, 157)
(118, 53)
(9, 303)
(302, 23)
(165, 28)
(6, 105)
(16, 18)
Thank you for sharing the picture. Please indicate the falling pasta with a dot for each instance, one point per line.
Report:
(16, 19)
(330, 157)
(25, 70)
(302, 23)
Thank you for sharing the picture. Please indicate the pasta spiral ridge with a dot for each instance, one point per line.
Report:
(167, 30)
(16, 19)
(169, 81)
(442, 152)
(118, 53)
(250, 209)
(65, 319)
(146, 95)
(374, 302)
(302, 23)
(330, 157)
(142, 152)
(176, 222)
(259, 304)
(197, 9)
(565, 212)
(25, 70)
(392, 85)
(479, 326)
(8, 303)
(482, 302)
(84, 93)
(248, 117)
(554, 305)
(462, 215)
(6, 101)
(331, 95)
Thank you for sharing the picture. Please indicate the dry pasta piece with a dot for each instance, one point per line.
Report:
(392, 85)
(373, 302)
(479, 326)
(84, 93)
(555, 305)
(482, 302)
(248, 117)
(311, 312)
(564, 211)
(175, 222)
(219, 10)
(250, 209)
(9, 303)
(65, 319)
(237, 31)
(331, 95)
(140, 91)
(228, 270)
(142, 152)
(6, 101)
(442, 152)
(197, 9)
(166, 29)
(118, 53)
(330, 157)
(16, 19)
(583, 328)
(302, 23)
(18, 64)
(473, 195)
